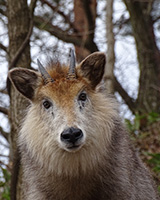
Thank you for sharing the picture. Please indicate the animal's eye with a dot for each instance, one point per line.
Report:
(82, 97)
(47, 104)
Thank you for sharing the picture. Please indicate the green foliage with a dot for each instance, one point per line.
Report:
(155, 161)
(135, 125)
(159, 189)
(4, 184)
(153, 117)
(150, 118)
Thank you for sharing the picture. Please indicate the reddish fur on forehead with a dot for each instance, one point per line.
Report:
(57, 71)
(62, 90)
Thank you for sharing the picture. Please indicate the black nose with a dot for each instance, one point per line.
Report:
(71, 135)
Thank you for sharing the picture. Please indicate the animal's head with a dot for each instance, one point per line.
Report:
(68, 116)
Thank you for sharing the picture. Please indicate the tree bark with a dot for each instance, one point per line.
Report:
(18, 26)
(148, 56)
(84, 22)
(109, 76)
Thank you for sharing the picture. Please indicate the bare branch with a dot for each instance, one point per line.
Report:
(156, 19)
(4, 48)
(63, 35)
(66, 17)
(4, 164)
(128, 100)
(4, 110)
(3, 12)
(32, 8)
(4, 91)
(4, 134)
(56, 31)
(3, 5)
(1, 155)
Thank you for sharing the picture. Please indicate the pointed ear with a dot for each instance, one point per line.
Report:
(92, 68)
(25, 81)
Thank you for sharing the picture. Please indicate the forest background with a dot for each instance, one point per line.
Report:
(127, 31)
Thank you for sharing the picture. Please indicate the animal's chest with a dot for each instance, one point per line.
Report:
(81, 188)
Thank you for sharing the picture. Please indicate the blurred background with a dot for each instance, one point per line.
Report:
(127, 31)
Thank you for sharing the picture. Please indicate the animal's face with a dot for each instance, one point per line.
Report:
(67, 116)
(64, 106)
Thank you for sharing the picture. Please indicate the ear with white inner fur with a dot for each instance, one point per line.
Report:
(25, 81)
(92, 68)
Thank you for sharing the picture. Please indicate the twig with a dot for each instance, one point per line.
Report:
(32, 8)
(4, 48)
(6, 146)
(2, 163)
(128, 100)
(1, 155)
(4, 134)
(4, 110)
(4, 91)
(66, 17)
(56, 31)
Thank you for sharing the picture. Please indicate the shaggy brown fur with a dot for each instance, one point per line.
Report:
(103, 165)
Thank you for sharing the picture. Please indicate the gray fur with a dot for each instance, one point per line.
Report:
(122, 177)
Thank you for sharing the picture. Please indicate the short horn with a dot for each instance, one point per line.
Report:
(46, 77)
(72, 73)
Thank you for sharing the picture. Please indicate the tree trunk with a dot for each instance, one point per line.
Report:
(109, 76)
(18, 27)
(85, 15)
(149, 82)
(148, 56)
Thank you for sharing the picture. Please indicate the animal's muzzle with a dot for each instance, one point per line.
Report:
(71, 135)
